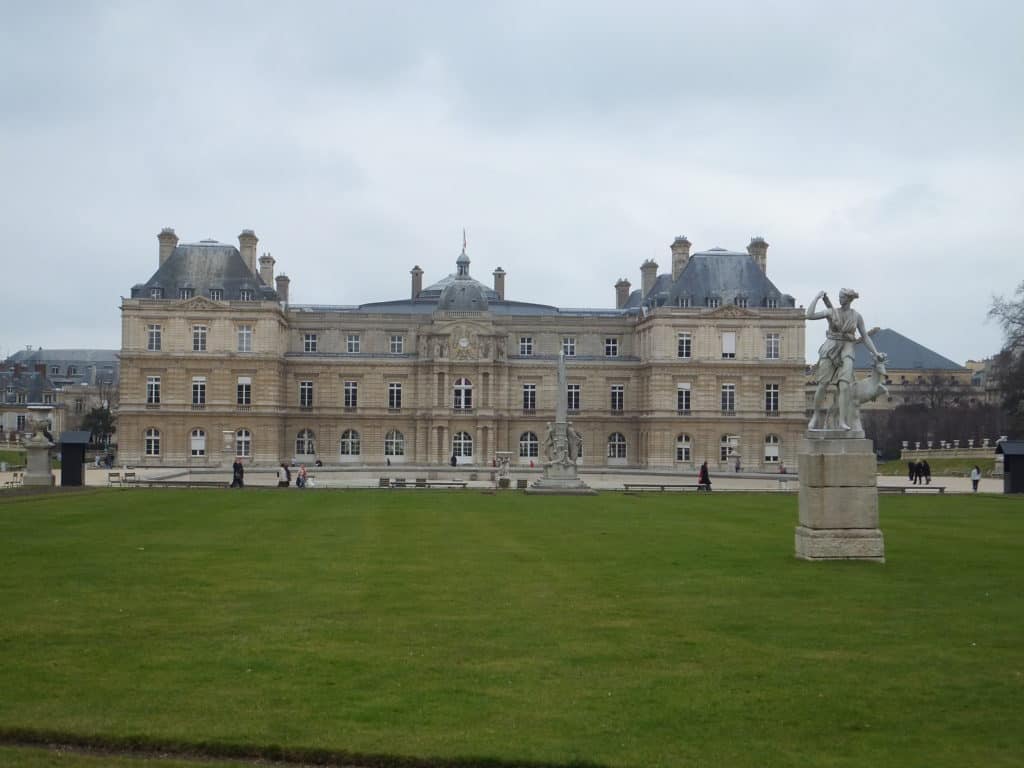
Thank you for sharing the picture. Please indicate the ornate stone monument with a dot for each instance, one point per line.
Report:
(561, 448)
(838, 488)
(37, 448)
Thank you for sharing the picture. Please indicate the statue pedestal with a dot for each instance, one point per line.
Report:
(559, 479)
(838, 499)
(37, 470)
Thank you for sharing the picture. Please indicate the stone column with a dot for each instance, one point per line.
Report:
(37, 470)
(838, 499)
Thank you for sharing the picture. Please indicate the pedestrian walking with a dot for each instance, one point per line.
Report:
(975, 477)
(704, 478)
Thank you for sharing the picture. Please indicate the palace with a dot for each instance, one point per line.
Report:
(705, 362)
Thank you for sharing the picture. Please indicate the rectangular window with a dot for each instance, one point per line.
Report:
(198, 338)
(529, 397)
(152, 390)
(525, 345)
(611, 346)
(771, 346)
(217, 294)
(728, 345)
(156, 293)
(728, 398)
(618, 396)
(573, 396)
(198, 390)
(569, 346)
(714, 302)
(352, 343)
(154, 334)
(198, 442)
(185, 293)
(397, 345)
(245, 338)
(79, 405)
(305, 394)
(684, 345)
(246, 294)
(741, 301)
(72, 370)
(684, 301)
(683, 398)
(309, 342)
(772, 303)
(47, 398)
(54, 370)
(21, 422)
(244, 391)
(395, 396)
(771, 398)
(351, 390)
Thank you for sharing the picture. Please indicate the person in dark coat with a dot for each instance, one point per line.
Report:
(918, 473)
(926, 470)
(910, 471)
(704, 478)
(237, 474)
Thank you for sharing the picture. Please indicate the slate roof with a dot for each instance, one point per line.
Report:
(904, 354)
(714, 274)
(202, 266)
(1011, 448)
(30, 383)
(91, 365)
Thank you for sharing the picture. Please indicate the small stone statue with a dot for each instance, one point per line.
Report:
(835, 358)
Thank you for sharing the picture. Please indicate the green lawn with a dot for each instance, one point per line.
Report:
(661, 630)
(948, 467)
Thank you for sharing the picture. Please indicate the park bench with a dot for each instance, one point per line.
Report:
(904, 489)
(521, 484)
(384, 482)
(662, 486)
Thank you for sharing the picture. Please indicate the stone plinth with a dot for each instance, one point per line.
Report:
(838, 499)
(561, 480)
(37, 469)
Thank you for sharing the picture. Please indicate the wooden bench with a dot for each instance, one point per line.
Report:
(662, 486)
(384, 482)
(912, 489)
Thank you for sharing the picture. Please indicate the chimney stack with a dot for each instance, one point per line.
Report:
(417, 280)
(282, 287)
(499, 283)
(247, 247)
(168, 241)
(648, 274)
(680, 255)
(621, 293)
(267, 268)
(758, 248)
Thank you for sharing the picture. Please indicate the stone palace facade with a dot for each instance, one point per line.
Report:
(703, 363)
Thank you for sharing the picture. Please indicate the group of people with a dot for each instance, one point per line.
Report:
(919, 473)
(284, 475)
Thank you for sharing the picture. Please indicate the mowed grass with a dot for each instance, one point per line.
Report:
(621, 630)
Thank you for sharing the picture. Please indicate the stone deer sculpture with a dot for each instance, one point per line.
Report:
(864, 391)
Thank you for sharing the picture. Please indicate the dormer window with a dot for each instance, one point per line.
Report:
(246, 294)
(217, 294)
(185, 293)
(684, 301)
(741, 301)
(156, 292)
(713, 302)
(772, 303)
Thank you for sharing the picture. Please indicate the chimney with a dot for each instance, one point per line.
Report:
(680, 255)
(267, 268)
(168, 241)
(247, 247)
(282, 287)
(648, 274)
(417, 280)
(499, 283)
(758, 248)
(41, 369)
(621, 293)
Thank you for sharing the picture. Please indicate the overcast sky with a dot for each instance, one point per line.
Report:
(878, 146)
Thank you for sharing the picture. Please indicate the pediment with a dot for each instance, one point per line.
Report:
(731, 312)
(199, 303)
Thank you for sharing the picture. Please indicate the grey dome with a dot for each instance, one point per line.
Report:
(463, 296)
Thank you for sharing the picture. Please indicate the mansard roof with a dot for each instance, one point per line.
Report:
(202, 266)
(904, 354)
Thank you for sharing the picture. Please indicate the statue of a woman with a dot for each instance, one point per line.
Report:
(835, 357)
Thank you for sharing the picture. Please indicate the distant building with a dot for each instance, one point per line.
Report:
(26, 395)
(705, 362)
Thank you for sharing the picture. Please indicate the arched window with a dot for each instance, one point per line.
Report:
(528, 445)
(243, 442)
(152, 442)
(729, 446)
(683, 447)
(616, 446)
(305, 443)
(771, 449)
(198, 442)
(463, 395)
(394, 443)
(350, 443)
(462, 445)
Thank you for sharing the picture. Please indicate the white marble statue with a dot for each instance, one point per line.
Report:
(834, 371)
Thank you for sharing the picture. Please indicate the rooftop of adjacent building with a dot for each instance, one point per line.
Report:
(904, 354)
